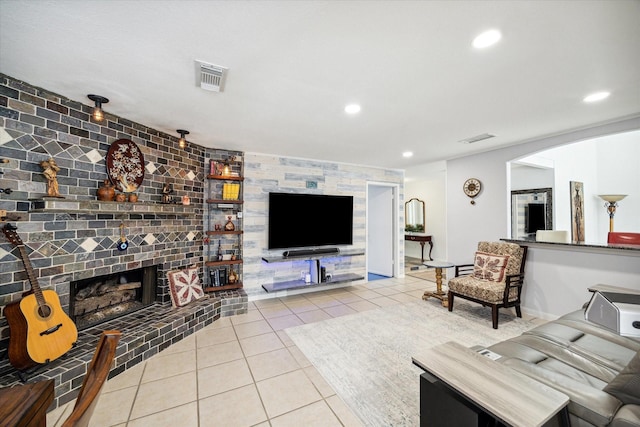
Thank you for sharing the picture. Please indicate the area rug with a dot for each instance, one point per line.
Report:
(366, 357)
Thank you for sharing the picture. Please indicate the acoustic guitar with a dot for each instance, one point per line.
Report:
(39, 329)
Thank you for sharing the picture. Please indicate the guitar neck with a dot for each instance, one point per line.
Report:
(33, 281)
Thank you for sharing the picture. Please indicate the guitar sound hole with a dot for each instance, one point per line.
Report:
(44, 311)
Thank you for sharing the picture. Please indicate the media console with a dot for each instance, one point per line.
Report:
(315, 256)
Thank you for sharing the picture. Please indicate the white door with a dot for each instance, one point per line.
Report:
(380, 230)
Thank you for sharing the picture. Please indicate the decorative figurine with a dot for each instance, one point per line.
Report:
(50, 171)
(229, 226)
(166, 193)
(106, 192)
(233, 277)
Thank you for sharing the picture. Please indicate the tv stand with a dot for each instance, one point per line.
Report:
(315, 256)
(306, 252)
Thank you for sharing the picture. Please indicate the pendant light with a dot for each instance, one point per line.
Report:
(182, 143)
(97, 113)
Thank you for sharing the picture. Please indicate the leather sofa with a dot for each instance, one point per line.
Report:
(598, 369)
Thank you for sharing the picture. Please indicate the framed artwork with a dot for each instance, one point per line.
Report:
(125, 165)
(576, 189)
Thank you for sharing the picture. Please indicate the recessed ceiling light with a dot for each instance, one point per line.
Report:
(597, 96)
(487, 39)
(407, 154)
(352, 109)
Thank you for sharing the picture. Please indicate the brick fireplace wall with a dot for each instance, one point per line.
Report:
(72, 244)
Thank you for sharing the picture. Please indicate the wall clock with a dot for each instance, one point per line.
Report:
(472, 188)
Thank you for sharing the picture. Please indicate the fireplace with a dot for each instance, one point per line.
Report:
(98, 299)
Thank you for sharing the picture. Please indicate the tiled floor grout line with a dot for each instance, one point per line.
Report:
(273, 317)
(255, 382)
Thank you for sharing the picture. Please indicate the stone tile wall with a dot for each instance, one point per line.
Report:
(65, 245)
(268, 173)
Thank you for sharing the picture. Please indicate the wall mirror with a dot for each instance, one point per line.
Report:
(414, 216)
(531, 210)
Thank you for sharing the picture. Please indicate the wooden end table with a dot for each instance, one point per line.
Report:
(439, 293)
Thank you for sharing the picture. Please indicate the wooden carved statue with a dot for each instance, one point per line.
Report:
(50, 171)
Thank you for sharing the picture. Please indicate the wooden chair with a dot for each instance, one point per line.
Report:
(495, 293)
(95, 378)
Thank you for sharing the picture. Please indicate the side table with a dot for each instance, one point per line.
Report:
(422, 239)
(439, 293)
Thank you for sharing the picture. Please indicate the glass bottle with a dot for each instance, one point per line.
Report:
(219, 251)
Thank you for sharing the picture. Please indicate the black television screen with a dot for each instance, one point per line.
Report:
(303, 220)
(534, 216)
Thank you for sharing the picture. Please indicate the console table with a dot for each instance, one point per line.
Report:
(422, 239)
(463, 387)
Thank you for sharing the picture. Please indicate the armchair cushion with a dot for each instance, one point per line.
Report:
(489, 266)
(514, 251)
(484, 290)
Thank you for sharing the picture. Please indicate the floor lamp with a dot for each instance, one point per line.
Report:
(612, 203)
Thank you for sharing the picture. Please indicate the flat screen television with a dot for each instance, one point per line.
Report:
(534, 217)
(299, 220)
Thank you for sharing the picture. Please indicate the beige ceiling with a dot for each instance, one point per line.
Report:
(293, 65)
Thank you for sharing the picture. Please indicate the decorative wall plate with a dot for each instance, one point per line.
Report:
(125, 165)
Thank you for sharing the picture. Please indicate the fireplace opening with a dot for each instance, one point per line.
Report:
(102, 298)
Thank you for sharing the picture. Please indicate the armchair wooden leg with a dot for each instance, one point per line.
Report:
(518, 311)
(450, 300)
(494, 316)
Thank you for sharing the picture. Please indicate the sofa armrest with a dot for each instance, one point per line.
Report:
(586, 402)
(627, 416)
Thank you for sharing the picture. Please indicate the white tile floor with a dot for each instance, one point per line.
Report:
(243, 370)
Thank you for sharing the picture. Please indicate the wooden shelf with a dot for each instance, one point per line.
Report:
(100, 207)
(217, 233)
(225, 201)
(227, 262)
(307, 257)
(299, 284)
(225, 177)
(223, 288)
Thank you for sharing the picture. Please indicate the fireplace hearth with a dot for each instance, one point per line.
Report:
(98, 299)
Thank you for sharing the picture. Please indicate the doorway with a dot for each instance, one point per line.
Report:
(382, 221)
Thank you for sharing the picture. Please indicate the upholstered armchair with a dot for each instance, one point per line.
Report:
(494, 279)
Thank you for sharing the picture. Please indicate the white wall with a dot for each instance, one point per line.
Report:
(428, 182)
(606, 165)
(488, 219)
(619, 173)
(527, 177)
(556, 280)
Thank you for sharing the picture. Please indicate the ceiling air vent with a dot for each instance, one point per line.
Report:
(477, 138)
(210, 77)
